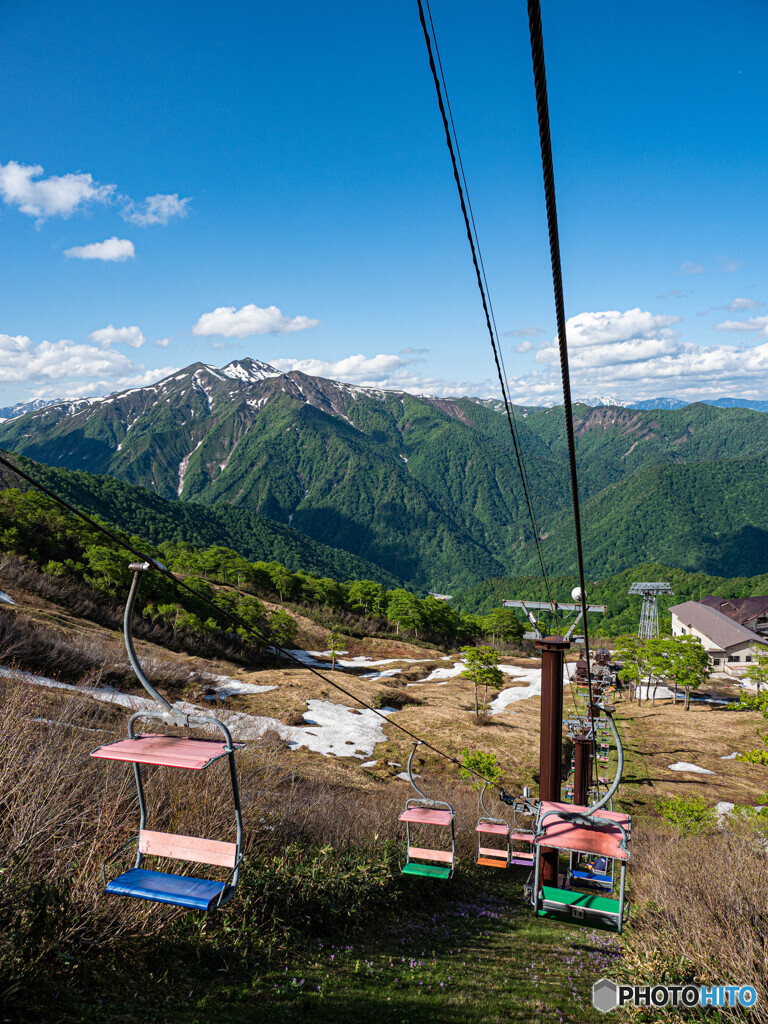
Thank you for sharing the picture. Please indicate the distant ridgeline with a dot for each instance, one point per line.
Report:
(426, 489)
(623, 613)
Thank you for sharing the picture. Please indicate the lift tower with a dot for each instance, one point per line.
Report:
(649, 613)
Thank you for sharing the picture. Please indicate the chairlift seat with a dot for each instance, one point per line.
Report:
(170, 751)
(600, 838)
(162, 887)
(493, 828)
(427, 816)
(579, 906)
(430, 870)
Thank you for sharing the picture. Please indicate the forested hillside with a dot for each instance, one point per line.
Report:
(139, 512)
(426, 489)
(623, 613)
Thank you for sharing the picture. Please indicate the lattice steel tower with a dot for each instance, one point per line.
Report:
(649, 613)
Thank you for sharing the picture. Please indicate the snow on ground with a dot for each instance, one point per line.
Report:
(684, 766)
(320, 659)
(386, 674)
(516, 693)
(730, 757)
(331, 728)
(664, 693)
(6, 597)
(226, 686)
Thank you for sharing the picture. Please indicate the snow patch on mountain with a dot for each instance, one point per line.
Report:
(250, 370)
(184, 466)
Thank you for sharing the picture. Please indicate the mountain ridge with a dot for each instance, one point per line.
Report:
(426, 488)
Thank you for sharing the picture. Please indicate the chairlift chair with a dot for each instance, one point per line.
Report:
(589, 830)
(588, 872)
(492, 856)
(422, 810)
(172, 751)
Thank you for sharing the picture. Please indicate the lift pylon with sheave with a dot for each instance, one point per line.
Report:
(171, 751)
(553, 606)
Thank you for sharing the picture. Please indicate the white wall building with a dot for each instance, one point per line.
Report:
(730, 646)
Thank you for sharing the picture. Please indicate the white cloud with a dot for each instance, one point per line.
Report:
(525, 346)
(689, 268)
(71, 389)
(249, 320)
(610, 337)
(755, 324)
(56, 196)
(740, 305)
(111, 335)
(22, 360)
(68, 369)
(352, 368)
(162, 342)
(112, 250)
(157, 209)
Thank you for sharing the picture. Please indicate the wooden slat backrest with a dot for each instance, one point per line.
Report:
(419, 852)
(202, 851)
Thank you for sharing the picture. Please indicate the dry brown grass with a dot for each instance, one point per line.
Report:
(701, 913)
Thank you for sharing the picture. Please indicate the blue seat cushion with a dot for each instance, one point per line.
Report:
(160, 887)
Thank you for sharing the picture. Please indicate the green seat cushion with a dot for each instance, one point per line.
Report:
(431, 870)
(587, 902)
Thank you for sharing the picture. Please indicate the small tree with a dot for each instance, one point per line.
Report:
(404, 609)
(282, 628)
(690, 815)
(688, 664)
(758, 671)
(480, 763)
(631, 651)
(334, 644)
(482, 667)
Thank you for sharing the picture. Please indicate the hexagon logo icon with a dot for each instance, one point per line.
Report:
(605, 995)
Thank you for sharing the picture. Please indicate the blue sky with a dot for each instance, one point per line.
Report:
(181, 183)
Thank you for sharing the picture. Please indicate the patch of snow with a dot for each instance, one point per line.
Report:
(664, 693)
(723, 809)
(394, 764)
(6, 598)
(310, 658)
(368, 764)
(515, 693)
(228, 687)
(730, 757)
(403, 458)
(684, 766)
(184, 465)
(383, 675)
(256, 372)
(342, 731)
(404, 776)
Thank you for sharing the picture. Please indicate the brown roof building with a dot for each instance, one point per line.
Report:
(730, 645)
(751, 612)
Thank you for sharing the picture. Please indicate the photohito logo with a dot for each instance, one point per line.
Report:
(607, 995)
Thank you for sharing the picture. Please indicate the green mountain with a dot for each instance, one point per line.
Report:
(426, 488)
(141, 513)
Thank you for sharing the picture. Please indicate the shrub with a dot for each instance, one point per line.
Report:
(690, 815)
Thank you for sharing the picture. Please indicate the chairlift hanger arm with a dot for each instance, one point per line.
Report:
(554, 606)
